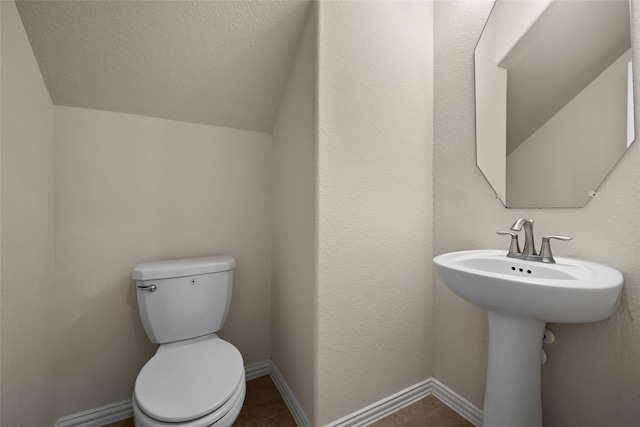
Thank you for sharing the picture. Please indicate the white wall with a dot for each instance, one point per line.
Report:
(131, 189)
(27, 246)
(592, 375)
(294, 225)
(374, 202)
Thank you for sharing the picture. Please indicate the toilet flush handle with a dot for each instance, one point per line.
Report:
(150, 288)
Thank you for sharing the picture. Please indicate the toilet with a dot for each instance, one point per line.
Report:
(195, 379)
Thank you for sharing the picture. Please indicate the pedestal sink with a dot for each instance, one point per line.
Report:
(521, 297)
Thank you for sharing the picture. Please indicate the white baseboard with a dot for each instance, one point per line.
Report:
(122, 410)
(257, 370)
(386, 406)
(453, 400)
(406, 397)
(99, 416)
(292, 403)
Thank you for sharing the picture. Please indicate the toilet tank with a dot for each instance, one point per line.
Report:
(185, 298)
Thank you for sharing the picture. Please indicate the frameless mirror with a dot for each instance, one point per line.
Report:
(554, 99)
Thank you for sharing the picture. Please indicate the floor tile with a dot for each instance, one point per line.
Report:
(419, 409)
(393, 420)
(262, 402)
(427, 412)
(284, 420)
(443, 416)
(124, 423)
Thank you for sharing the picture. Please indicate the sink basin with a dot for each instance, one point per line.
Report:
(569, 291)
(520, 297)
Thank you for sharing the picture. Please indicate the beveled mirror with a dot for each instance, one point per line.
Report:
(554, 99)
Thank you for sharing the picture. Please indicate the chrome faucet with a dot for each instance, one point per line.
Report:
(529, 251)
(529, 245)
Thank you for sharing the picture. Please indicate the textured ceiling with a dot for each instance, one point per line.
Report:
(222, 63)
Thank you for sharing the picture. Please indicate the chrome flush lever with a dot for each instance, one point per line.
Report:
(150, 288)
(514, 247)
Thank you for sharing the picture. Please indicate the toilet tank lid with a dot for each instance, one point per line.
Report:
(182, 267)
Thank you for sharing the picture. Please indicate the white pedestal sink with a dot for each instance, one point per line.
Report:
(521, 297)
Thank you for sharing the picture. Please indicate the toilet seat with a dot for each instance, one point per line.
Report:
(189, 380)
(223, 417)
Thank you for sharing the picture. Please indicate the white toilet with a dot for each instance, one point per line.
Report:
(195, 379)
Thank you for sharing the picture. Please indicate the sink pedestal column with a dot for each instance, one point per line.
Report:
(513, 394)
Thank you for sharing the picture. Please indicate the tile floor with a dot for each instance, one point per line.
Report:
(427, 412)
(264, 407)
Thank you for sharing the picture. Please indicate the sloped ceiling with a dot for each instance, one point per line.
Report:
(222, 63)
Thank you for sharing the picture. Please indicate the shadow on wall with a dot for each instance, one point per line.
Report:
(87, 376)
(140, 336)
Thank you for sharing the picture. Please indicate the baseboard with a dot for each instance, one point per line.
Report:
(122, 410)
(257, 370)
(406, 397)
(453, 400)
(386, 406)
(98, 417)
(287, 395)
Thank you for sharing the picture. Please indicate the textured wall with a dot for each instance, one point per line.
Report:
(28, 298)
(374, 202)
(294, 230)
(592, 376)
(131, 189)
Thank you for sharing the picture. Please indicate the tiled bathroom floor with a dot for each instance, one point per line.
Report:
(264, 407)
(427, 412)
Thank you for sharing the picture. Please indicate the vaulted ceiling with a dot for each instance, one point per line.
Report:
(223, 63)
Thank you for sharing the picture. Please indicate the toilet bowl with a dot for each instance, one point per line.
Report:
(195, 379)
(194, 383)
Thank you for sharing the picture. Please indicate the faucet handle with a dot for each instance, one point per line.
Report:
(545, 252)
(514, 248)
